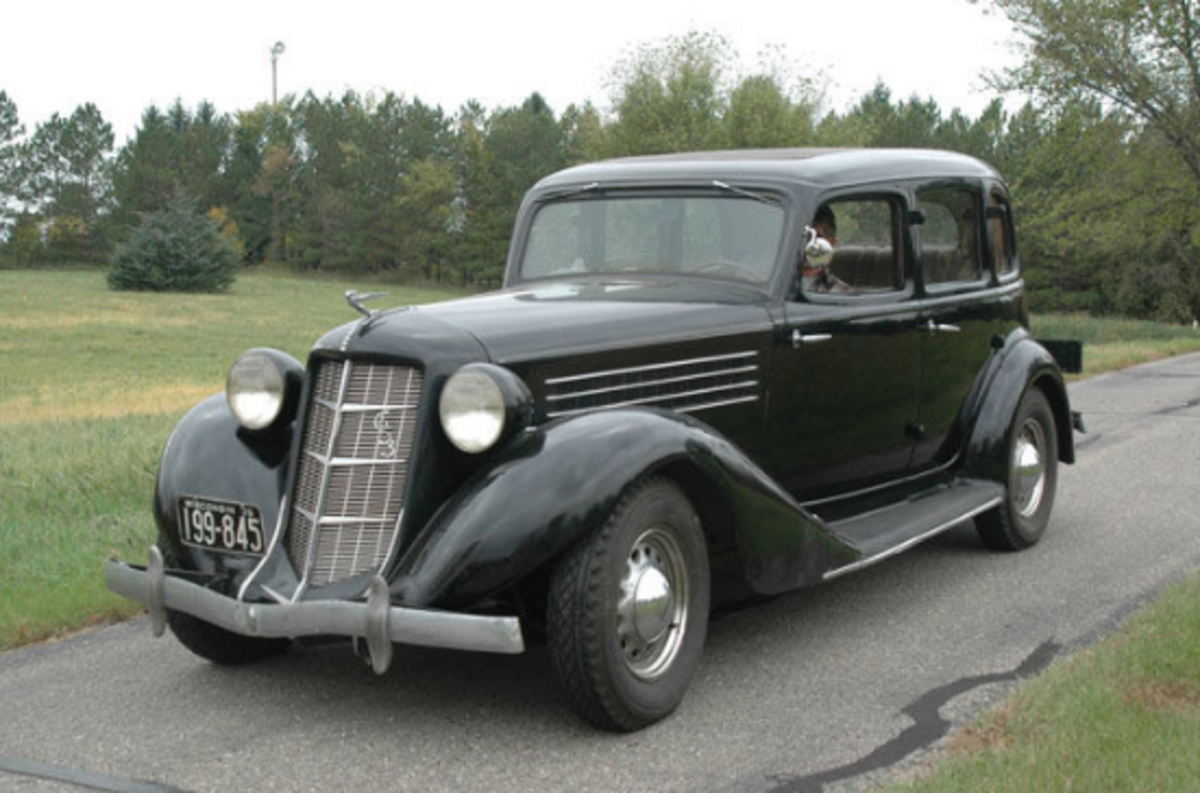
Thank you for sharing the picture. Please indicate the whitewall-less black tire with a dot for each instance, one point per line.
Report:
(1032, 456)
(627, 611)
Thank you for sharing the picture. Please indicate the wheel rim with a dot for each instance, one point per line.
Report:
(652, 604)
(1029, 468)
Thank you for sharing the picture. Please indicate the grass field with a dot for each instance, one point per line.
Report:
(91, 383)
(1110, 344)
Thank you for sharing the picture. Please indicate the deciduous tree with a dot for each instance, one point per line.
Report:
(1142, 58)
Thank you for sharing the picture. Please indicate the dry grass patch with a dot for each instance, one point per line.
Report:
(60, 321)
(991, 734)
(1156, 696)
(99, 401)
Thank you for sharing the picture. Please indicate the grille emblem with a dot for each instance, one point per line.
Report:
(388, 444)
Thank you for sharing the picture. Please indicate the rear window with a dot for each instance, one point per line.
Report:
(950, 236)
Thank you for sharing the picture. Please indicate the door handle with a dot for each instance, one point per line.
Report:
(800, 339)
(934, 327)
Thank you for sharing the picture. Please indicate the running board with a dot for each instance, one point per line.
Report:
(885, 532)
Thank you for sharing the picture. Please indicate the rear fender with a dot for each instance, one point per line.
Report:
(556, 483)
(1022, 364)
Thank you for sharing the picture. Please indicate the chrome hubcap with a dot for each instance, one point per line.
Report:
(1029, 468)
(652, 604)
(652, 601)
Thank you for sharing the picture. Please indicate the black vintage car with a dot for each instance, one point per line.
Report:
(709, 378)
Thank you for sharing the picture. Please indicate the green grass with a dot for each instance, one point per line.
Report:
(1122, 716)
(1111, 344)
(91, 383)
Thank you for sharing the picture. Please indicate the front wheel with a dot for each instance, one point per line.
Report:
(627, 612)
(1020, 520)
(218, 645)
(214, 643)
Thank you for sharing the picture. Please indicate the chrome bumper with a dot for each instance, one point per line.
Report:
(376, 621)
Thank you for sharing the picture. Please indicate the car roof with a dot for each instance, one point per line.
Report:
(823, 167)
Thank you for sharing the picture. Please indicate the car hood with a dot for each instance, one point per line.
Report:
(569, 317)
(556, 319)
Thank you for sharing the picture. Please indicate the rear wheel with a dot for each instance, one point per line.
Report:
(1021, 519)
(627, 613)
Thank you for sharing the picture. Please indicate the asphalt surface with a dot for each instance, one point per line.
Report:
(827, 688)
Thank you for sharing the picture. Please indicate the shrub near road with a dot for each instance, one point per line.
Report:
(175, 250)
(91, 384)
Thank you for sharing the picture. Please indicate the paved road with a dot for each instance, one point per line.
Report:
(819, 689)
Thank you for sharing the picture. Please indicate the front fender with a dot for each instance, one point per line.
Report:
(1023, 364)
(558, 482)
(210, 454)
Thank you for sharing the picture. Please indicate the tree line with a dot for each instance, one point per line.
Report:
(1105, 195)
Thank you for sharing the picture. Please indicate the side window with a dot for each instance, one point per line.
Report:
(867, 250)
(1000, 222)
(950, 246)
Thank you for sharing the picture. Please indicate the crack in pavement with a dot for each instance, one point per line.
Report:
(927, 728)
(83, 779)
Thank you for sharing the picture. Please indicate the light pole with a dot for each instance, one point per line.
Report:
(276, 51)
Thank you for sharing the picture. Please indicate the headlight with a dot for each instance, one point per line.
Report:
(481, 403)
(260, 385)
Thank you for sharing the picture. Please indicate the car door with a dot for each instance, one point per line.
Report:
(962, 311)
(846, 367)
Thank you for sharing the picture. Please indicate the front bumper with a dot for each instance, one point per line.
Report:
(376, 620)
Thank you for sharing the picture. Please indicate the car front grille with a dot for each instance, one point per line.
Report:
(686, 386)
(354, 463)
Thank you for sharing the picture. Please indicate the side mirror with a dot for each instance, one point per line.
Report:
(817, 250)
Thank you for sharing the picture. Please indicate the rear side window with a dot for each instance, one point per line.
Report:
(950, 236)
(1001, 227)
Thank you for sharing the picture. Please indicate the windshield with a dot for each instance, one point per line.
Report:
(718, 236)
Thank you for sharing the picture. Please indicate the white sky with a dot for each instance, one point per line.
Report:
(124, 55)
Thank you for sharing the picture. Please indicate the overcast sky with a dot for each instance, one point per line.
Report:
(124, 55)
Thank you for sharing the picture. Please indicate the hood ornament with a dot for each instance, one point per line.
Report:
(356, 300)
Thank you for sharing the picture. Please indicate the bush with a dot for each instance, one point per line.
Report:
(175, 250)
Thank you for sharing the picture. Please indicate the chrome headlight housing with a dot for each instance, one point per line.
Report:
(262, 386)
(481, 404)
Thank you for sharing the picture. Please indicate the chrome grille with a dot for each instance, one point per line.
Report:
(353, 466)
(686, 386)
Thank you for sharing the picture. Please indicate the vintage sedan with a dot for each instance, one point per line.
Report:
(709, 378)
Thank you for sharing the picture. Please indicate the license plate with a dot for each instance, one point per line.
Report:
(221, 526)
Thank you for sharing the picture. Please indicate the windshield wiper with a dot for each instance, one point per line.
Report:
(587, 188)
(744, 193)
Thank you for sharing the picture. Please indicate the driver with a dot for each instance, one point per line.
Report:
(819, 279)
